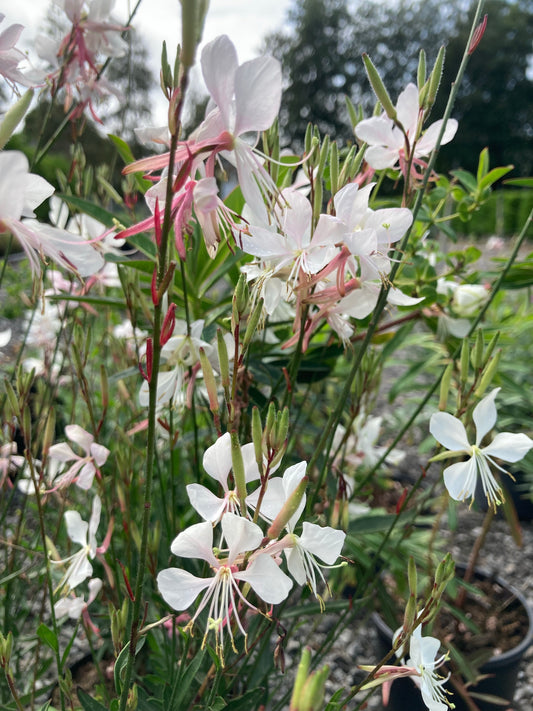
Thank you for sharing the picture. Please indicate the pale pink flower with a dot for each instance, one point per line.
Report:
(83, 533)
(20, 193)
(11, 57)
(83, 469)
(387, 144)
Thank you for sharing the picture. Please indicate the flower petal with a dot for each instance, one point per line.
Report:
(266, 579)
(179, 588)
(241, 535)
(449, 431)
(209, 506)
(485, 415)
(217, 460)
(509, 447)
(460, 479)
(195, 542)
(219, 64)
(322, 541)
(76, 527)
(257, 94)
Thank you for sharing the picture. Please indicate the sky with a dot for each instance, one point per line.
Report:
(246, 22)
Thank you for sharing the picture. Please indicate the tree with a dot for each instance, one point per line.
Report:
(321, 56)
(495, 102)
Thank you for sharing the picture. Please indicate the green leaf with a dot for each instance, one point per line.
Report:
(144, 244)
(122, 660)
(483, 165)
(370, 523)
(178, 699)
(251, 700)
(89, 208)
(520, 182)
(88, 703)
(127, 156)
(494, 175)
(467, 179)
(48, 637)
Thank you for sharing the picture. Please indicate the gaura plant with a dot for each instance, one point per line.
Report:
(216, 375)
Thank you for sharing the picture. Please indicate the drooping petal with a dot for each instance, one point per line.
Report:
(322, 541)
(257, 94)
(380, 157)
(485, 415)
(196, 542)
(76, 527)
(86, 476)
(94, 522)
(378, 131)
(460, 479)
(266, 579)
(295, 565)
(99, 453)
(398, 298)
(179, 588)
(449, 431)
(509, 447)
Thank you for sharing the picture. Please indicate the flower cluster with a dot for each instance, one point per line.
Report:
(243, 553)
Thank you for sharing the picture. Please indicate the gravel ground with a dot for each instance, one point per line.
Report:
(500, 555)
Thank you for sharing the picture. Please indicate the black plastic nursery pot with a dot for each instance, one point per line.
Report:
(500, 671)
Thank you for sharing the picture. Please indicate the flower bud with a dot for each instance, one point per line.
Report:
(251, 326)
(435, 77)
(209, 380)
(288, 510)
(14, 116)
(167, 329)
(257, 436)
(465, 361)
(445, 387)
(237, 464)
(223, 360)
(301, 676)
(421, 72)
(490, 371)
(379, 87)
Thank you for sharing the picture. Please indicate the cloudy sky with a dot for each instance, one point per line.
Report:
(245, 21)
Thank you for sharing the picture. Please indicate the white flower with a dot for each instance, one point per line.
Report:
(247, 99)
(387, 143)
(302, 551)
(83, 469)
(84, 533)
(74, 606)
(424, 659)
(460, 479)
(217, 462)
(20, 193)
(180, 588)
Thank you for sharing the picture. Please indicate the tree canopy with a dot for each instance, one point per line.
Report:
(323, 40)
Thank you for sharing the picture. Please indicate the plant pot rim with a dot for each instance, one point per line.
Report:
(496, 660)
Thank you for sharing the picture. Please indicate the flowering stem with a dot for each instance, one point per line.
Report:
(134, 613)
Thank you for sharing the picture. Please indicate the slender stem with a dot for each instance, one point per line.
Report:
(135, 609)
